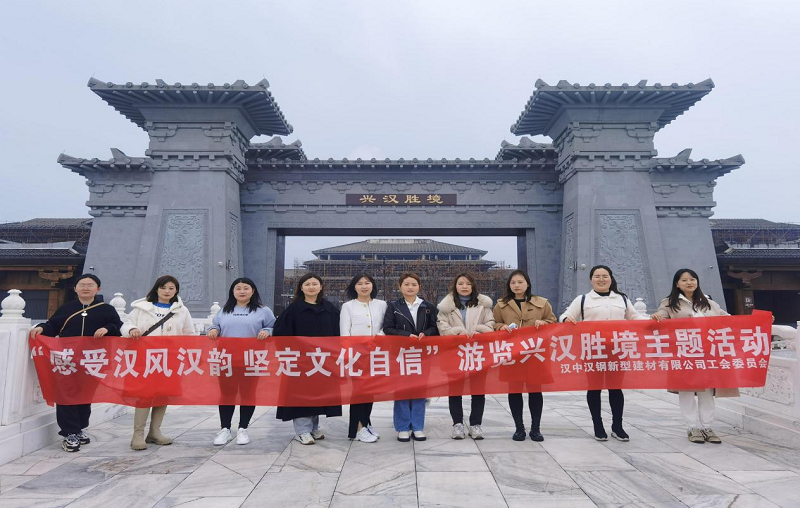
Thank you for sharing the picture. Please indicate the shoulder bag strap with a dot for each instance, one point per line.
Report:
(76, 313)
(160, 322)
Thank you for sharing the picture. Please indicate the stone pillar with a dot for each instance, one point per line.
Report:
(180, 204)
(614, 211)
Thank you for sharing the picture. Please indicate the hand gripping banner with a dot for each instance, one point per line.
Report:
(697, 353)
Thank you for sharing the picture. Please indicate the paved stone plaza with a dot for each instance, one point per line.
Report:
(658, 467)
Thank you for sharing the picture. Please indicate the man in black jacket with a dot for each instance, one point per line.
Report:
(86, 316)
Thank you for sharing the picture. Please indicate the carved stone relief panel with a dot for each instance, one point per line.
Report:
(620, 238)
(569, 259)
(233, 246)
(182, 251)
(777, 389)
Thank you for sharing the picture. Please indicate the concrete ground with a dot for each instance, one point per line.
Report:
(658, 467)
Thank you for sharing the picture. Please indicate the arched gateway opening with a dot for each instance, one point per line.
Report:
(207, 206)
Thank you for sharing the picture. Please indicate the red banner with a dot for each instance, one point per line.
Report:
(714, 352)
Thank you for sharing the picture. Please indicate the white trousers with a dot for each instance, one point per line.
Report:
(305, 424)
(698, 412)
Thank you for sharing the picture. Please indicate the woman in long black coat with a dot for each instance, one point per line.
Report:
(309, 315)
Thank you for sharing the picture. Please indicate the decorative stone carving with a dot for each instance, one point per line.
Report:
(99, 189)
(704, 190)
(119, 305)
(342, 187)
(665, 189)
(233, 246)
(569, 260)
(137, 189)
(491, 187)
(281, 186)
(182, 249)
(620, 237)
(117, 211)
(778, 387)
(13, 306)
(684, 211)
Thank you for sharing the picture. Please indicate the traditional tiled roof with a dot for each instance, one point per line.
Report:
(547, 101)
(761, 253)
(399, 246)
(45, 230)
(750, 224)
(526, 150)
(47, 223)
(683, 163)
(275, 150)
(118, 162)
(39, 251)
(255, 101)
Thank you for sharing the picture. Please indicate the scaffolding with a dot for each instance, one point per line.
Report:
(754, 232)
(48, 231)
(436, 276)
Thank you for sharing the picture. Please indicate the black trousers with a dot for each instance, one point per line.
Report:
(72, 419)
(535, 403)
(615, 399)
(476, 410)
(226, 415)
(359, 413)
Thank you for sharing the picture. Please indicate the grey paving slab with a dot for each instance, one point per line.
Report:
(658, 467)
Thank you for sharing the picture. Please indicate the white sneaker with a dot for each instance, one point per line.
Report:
(404, 436)
(317, 434)
(365, 436)
(223, 437)
(475, 432)
(458, 431)
(242, 437)
(372, 431)
(418, 435)
(305, 438)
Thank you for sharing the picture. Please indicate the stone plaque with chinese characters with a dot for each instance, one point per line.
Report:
(401, 199)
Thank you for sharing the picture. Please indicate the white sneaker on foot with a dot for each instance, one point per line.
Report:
(475, 432)
(372, 431)
(458, 431)
(317, 434)
(365, 436)
(418, 435)
(223, 437)
(242, 437)
(305, 438)
(404, 436)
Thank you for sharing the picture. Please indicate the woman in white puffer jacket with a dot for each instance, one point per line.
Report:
(161, 301)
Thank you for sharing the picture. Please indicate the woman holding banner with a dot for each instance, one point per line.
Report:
(464, 311)
(88, 316)
(242, 316)
(686, 300)
(161, 312)
(519, 308)
(362, 315)
(603, 303)
(309, 315)
(410, 316)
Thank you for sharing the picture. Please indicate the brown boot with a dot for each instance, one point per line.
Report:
(139, 422)
(155, 436)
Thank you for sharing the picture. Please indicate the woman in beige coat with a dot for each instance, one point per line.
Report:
(161, 312)
(685, 301)
(464, 311)
(518, 309)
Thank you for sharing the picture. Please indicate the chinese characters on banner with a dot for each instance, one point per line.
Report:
(714, 352)
(400, 199)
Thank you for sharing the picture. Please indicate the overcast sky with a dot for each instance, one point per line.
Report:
(399, 79)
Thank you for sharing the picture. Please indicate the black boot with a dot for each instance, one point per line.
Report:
(617, 401)
(593, 400)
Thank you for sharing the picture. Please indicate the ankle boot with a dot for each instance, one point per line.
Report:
(140, 415)
(155, 436)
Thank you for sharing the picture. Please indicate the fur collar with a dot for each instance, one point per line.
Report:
(447, 304)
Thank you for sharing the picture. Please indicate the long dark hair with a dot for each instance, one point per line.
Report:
(298, 290)
(699, 300)
(509, 296)
(473, 297)
(613, 286)
(152, 295)
(351, 288)
(255, 300)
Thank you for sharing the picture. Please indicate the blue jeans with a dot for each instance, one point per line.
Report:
(409, 415)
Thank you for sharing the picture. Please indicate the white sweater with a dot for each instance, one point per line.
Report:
(358, 318)
(143, 316)
(602, 308)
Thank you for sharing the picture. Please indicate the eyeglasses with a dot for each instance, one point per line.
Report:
(86, 286)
